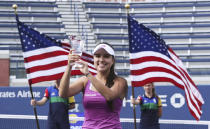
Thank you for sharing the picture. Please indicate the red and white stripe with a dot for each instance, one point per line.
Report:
(150, 66)
(46, 64)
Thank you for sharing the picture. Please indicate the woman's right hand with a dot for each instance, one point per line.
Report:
(33, 102)
(72, 58)
(133, 100)
(84, 68)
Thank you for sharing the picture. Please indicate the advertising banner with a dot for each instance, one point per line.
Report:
(16, 101)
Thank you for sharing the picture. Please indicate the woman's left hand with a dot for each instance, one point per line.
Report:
(84, 68)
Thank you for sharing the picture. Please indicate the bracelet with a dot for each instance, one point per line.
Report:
(87, 74)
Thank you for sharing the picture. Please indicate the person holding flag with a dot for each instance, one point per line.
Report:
(151, 107)
(58, 116)
(103, 93)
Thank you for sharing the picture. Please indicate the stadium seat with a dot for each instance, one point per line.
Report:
(43, 16)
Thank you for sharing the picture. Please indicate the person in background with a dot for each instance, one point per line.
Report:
(103, 93)
(151, 107)
(58, 116)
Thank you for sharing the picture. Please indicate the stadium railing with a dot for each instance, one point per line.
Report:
(185, 35)
(152, 25)
(15, 35)
(149, 6)
(35, 16)
(42, 26)
(150, 15)
(25, 5)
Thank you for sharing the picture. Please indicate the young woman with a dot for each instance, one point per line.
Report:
(103, 93)
(151, 107)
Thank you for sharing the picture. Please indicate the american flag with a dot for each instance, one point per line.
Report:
(151, 60)
(45, 58)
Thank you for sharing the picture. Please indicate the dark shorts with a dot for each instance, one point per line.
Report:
(60, 121)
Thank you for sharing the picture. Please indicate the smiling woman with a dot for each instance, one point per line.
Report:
(102, 94)
(104, 59)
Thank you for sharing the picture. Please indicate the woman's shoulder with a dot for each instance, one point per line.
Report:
(121, 80)
(118, 78)
(84, 79)
(123, 85)
(80, 81)
(81, 78)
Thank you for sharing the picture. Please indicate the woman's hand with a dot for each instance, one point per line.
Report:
(33, 102)
(136, 101)
(72, 58)
(133, 100)
(84, 68)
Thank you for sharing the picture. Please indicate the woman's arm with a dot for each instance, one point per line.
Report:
(118, 90)
(65, 90)
(136, 101)
(159, 111)
(159, 107)
(64, 83)
(40, 102)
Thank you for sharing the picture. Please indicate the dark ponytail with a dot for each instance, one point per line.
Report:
(154, 93)
(110, 82)
(111, 77)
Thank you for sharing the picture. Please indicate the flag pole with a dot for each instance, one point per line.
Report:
(14, 6)
(34, 107)
(127, 6)
(134, 111)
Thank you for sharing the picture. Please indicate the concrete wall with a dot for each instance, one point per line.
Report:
(4, 68)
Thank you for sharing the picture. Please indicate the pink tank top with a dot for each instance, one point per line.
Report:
(98, 115)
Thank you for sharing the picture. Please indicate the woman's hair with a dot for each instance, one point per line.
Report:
(153, 92)
(111, 77)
